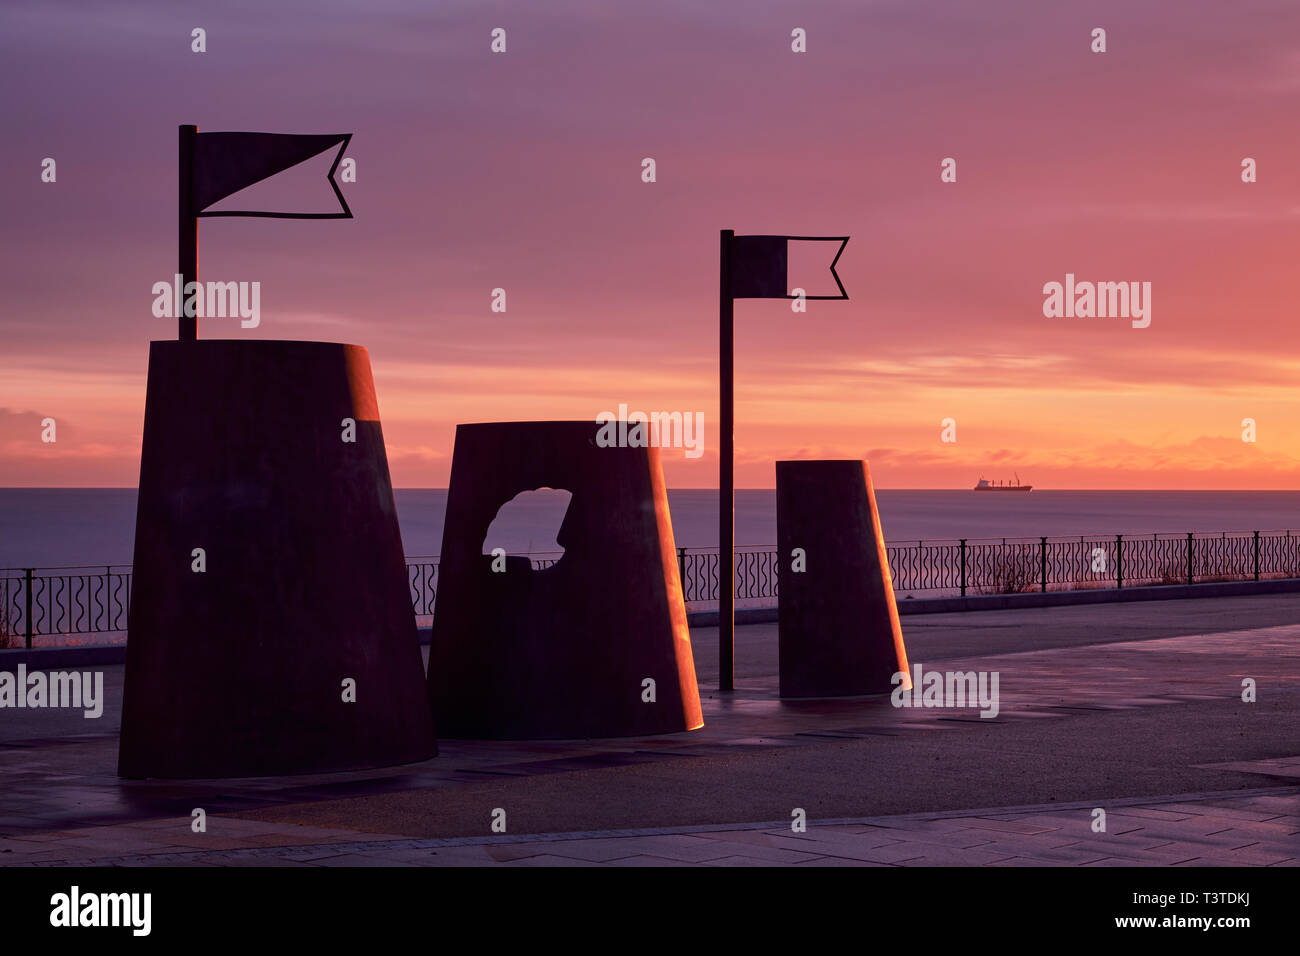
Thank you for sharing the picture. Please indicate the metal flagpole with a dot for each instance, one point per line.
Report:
(188, 236)
(726, 469)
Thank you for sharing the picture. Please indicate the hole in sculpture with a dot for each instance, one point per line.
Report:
(529, 523)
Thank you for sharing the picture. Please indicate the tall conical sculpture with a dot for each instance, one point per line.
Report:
(839, 633)
(596, 645)
(271, 626)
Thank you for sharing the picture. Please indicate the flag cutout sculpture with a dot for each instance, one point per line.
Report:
(216, 165)
(272, 630)
(752, 267)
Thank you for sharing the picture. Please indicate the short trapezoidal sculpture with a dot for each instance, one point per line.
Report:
(565, 651)
(839, 629)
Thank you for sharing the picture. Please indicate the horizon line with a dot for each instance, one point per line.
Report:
(696, 488)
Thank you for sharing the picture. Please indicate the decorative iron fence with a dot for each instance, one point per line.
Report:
(422, 577)
(962, 566)
(38, 602)
(65, 601)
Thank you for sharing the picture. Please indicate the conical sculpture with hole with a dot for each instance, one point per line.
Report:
(594, 646)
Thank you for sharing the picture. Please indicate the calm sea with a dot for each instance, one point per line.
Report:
(42, 527)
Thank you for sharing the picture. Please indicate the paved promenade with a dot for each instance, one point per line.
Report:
(1253, 828)
(1135, 709)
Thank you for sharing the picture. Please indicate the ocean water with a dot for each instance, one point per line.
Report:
(41, 527)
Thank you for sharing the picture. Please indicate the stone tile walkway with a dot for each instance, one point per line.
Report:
(1241, 828)
(56, 782)
(63, 802)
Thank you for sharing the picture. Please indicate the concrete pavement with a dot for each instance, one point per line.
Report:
(1252, 828)
(1100, 706)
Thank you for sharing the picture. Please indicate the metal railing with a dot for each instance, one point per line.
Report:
(37, 602)
(964, 566)
(65, 601)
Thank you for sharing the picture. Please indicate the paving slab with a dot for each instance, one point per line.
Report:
(1131, 708)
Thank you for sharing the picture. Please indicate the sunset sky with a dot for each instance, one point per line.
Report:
(523, 171)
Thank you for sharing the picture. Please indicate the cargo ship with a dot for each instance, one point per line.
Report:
(984, 485)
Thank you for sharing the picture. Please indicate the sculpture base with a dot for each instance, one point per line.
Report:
(565, 651)
(238, 665)
(839, 634)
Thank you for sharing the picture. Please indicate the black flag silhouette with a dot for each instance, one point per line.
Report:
(759, 265)
(225, 163)
(212, 166)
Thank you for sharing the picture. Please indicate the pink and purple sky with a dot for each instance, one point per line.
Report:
(522, 171)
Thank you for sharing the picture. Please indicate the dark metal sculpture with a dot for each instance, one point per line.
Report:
(213, 166)
(751, 267)
(839, 629)
(239, 668)
(565, 651)
(271, 623)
